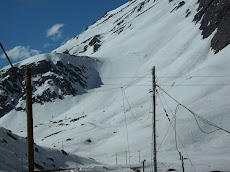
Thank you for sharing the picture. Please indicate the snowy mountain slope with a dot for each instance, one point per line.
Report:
(54, 76)
(14, 155)
(116, 117)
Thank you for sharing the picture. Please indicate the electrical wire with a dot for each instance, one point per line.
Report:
(170, 122)
(132, 110)
(178, 138)
(20, 81)
(132, 82)
(109, 89)
(196, 116)
(127, 133)
(122, 85)
(191, 76)
(181, 85)
(164, 138)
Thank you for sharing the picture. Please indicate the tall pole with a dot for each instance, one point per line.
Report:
(182, 159)
(143, 165)
(139, 156)
(116, 158)
(30, 140)
(126, 157)
(154, 120)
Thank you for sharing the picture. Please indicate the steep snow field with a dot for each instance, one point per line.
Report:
(116, 118)
(14, 155)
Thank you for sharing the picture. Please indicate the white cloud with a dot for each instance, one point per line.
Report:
(20, 53)
(54, 32)
(46, 45)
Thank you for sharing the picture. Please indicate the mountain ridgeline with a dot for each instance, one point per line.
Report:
(212, 15)
(54, 76)
(188, 43)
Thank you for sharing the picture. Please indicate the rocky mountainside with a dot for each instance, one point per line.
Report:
(191, 57)
(213, 16)
(54, 76)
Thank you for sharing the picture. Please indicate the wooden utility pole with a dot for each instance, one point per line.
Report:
(182, 161)
(116, 158)
(154, 120)
(143, 165)
(30, 138)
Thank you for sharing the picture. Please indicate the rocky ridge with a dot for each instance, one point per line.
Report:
(212, 15)
(51, 79)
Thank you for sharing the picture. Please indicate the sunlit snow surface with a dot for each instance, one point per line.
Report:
(93, 124)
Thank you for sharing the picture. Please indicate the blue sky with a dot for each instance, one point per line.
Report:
(29, 27)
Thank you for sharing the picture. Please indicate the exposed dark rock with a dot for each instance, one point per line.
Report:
(187, 13)
(36, 150)
(66, 52)
(89, 141)
(11, 136)
(76, 119)
(178, 6)
(85, 49)
(38, 166)
(141, 5)
(51, 159)
(96, 47)
(64, 152)
(96, 39)
(61, 80)
(52, 134)
(214, 15)
(4, 141)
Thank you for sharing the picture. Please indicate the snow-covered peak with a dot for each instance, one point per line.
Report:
(54, 76)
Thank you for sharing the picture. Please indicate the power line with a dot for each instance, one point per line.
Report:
(122, 85)
(164, 138)
(109, 89)
(131, 83)
(191, 76)
(132, 110)
(20, 81)
(127, 133)
(197, 85)
(177, 85)
(170, 121)
(177, 136)
(196, 115)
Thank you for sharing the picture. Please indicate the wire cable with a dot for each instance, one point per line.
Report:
(132, 110)
(20, 81)
(178, 138)
(170, 122)
(196, 115)
(127, 133)
(131, 83)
